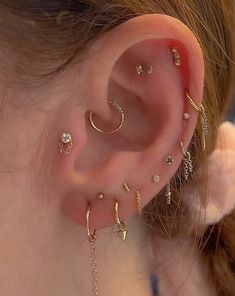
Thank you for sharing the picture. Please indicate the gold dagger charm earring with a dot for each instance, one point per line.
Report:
(204, 119)
(121, 225)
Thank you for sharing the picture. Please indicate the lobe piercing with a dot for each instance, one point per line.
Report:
(66, 143)
(176, 56)
(144, 70)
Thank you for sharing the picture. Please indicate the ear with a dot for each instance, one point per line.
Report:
(154, 125)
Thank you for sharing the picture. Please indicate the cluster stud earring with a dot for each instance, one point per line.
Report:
(187, 116)
(169, 160)
(144, 70)
(156, 178)
(66, 143)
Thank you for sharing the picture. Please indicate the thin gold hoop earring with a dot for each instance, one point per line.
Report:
(204, 119)
(92, 239)
(119, 109)
(121, 225)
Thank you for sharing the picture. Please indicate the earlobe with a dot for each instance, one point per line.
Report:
(148, 64)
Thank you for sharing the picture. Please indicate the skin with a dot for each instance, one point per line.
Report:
(44, 195)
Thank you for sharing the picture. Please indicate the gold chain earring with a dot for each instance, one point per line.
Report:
(119, 109)
(138, 199)
(121, 225)
(168, 193)
(92, 239)
(188, 164)
(204, 119)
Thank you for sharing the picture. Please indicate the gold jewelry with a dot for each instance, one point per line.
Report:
(126, 187)
(121, 225)
(204, 120)
(92, 239)
(176, 56)
(156, 178)
(188, 165)
(119, 109)
(138, 198)
(100, 195)
(144, 70)
(66, 143)
(187, 116)
(169, 160)
(168, 193)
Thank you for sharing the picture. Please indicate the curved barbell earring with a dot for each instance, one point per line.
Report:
(104, 132)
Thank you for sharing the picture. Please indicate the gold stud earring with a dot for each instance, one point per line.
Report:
(176, 56)
(126, 187)
(119, 109)
(121, 225)
(66, 143)
(92, 239)
(169, 160)
(188, 164)
(187, 116)
(138, 199)
(156, 178)
(100, 195)
(144, 70)
(204, 120)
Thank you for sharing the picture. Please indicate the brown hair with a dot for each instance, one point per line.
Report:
(44, 38)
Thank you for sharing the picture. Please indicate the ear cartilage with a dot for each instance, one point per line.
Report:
(176, 56)
(144, 70)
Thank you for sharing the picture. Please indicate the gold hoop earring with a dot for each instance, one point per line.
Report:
(204, 119)
(119, 109)
(121, 225)
(92, 239)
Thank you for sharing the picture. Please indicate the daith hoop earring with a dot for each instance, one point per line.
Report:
(104, 132)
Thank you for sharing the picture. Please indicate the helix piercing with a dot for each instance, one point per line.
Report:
(204, 119)
(121, 225)
(169, 160)
(144, 70)
(168, 193)
(119, 109)
(126, 187)
(138, 199)
(187, 116)
(176, 56)
(188, 164)
(156, 178)
(100, 195)
(66, 143)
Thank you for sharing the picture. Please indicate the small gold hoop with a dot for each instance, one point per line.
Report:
(91, 236)
(120, 110)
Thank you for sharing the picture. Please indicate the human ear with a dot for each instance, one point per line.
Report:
(154, 106)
